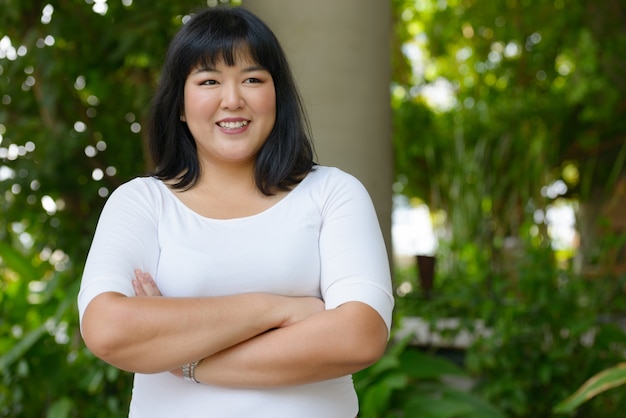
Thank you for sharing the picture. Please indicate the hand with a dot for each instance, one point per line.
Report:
(144, 285)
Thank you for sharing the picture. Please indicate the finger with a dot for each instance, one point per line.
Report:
(148, 284)
(137, 285)
(138, 288)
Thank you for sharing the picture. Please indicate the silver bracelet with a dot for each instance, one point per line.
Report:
(189, 372)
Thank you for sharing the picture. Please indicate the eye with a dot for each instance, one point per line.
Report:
(208, 82)
(253, 80)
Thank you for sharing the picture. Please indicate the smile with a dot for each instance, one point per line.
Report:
(233, 125)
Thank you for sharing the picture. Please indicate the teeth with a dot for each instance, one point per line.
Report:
(233, 125)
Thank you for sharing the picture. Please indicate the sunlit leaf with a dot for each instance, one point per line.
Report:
(601, 382)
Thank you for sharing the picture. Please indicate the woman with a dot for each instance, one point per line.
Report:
(241, 279)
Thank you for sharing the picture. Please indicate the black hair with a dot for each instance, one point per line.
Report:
(212, 35)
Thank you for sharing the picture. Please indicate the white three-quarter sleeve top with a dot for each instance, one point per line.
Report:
(322, 239)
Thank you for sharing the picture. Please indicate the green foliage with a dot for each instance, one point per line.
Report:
(551, 330)
(533, 95)
(44, 365)
(409, 383)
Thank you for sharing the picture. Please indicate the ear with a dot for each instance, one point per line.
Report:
(182, 118)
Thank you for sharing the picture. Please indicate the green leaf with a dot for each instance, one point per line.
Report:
(479, 408)
(601, 382)
(376, 398)
(383, 364)
(424, 366)
(18, 262)
(60, 408)
(28, 340)
(17, 351)
(450, 403)
(435, 407)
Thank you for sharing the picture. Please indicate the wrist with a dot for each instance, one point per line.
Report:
(283, 310)
(189, 372)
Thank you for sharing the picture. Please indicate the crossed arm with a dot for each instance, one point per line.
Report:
(245, 340)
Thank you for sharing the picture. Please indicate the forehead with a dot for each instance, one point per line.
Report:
(237, 55)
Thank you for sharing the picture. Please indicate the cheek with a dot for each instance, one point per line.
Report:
(264, 100)
(199, 103)
(267, 105)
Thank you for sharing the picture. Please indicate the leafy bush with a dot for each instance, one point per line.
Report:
(45, 369)
(551, 330)
(409, 383)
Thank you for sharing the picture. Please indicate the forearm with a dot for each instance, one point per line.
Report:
(154, 334)
(327, 345)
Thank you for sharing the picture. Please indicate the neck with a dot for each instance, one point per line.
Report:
(231, 178)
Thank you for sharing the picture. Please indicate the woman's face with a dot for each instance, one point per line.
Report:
(230, 111)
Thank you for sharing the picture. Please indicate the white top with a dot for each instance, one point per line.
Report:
(322, 239)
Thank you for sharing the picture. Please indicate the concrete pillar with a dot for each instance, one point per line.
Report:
(340, 55)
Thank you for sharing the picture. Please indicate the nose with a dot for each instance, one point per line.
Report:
(231, 97)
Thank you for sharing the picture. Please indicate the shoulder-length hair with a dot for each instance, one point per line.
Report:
(213, 35)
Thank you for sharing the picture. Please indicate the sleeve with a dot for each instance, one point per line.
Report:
(126, 239)
(354, 262)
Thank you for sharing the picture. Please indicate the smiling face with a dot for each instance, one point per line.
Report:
(230, 110)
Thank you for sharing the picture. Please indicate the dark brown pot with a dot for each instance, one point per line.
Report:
(426, 273)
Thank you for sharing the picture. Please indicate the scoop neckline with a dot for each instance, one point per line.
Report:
(240, 218)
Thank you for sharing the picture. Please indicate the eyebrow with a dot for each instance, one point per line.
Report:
(206, 69)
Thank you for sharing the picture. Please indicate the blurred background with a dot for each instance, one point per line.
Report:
(491, 135)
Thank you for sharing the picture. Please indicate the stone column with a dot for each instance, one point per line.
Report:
(340, 55)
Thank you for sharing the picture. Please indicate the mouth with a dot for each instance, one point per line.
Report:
(233, 125)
